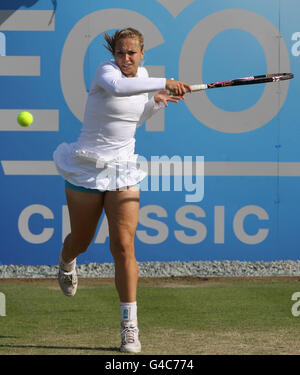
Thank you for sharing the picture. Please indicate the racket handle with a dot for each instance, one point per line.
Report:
(199, 87)
(194, 88)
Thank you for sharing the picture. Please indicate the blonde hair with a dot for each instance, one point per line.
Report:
(129, 32)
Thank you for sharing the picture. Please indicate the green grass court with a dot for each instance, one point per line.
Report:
(176, 316)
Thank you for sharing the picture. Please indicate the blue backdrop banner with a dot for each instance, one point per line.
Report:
(224, 165)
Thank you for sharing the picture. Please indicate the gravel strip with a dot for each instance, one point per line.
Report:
(164, 269)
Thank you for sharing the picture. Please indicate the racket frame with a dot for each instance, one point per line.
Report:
(267, 78)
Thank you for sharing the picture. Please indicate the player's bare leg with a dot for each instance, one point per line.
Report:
(84, 210)
(122, 211)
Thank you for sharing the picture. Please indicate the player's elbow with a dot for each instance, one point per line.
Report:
(117, 90)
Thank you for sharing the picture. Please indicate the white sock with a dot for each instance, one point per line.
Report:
(68, 267)
(128, 311)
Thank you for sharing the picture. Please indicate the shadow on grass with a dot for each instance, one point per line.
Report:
(108, 349)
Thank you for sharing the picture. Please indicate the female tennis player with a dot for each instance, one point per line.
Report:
(101, 173)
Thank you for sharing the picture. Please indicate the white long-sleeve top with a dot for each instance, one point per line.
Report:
(115, 107)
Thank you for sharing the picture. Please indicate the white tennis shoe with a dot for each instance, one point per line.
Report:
(68, 282)
(130, 337)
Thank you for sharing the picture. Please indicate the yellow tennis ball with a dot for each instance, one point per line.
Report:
(25, 118)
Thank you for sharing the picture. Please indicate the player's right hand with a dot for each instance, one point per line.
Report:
(178, 88)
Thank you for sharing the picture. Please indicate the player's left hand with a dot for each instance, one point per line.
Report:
(165, 97)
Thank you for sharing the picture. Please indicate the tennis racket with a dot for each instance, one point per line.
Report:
(277, 77)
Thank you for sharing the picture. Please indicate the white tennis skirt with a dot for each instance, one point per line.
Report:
(83, 167)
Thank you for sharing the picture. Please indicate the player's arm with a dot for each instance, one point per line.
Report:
(110, 79)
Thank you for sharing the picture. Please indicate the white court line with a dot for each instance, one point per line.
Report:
(27, 20)
(44, 120)
(259, 169)
(20, 65)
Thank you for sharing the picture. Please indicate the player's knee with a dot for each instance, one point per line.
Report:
(80, 243)
(122, 248)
